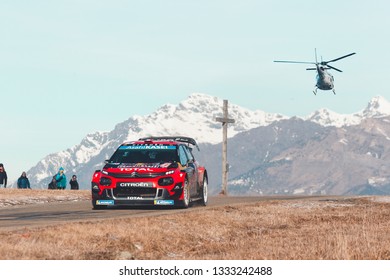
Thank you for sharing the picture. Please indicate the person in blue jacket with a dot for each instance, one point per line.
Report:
(23, 182)
(61, 179)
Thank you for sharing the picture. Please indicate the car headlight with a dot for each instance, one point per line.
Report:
(166, 181)
(169, 172)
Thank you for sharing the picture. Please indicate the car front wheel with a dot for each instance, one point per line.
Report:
(186, 194)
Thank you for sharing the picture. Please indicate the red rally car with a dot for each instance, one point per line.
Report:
(151, 171)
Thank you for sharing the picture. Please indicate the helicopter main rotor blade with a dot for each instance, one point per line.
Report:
(311, 68)
(334, 68)
(289, 61)
(333, 60)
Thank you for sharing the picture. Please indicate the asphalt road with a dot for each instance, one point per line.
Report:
(41, 215)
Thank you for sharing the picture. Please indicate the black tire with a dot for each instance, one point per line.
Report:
(186, 192)
(204, 192)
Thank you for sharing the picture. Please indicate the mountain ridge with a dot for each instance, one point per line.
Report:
(195, 117)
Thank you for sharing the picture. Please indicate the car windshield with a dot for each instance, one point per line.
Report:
(145, 154)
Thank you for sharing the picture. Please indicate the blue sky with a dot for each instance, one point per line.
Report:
(72, 67)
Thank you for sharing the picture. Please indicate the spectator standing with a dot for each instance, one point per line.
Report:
(3, 176)
(61, 179)
(74, 185)
(23, 182)
(53, 184)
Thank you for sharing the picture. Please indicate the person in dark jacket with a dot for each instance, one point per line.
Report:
(23, 182)
(74, 185)
(53, 184)
(3, 176)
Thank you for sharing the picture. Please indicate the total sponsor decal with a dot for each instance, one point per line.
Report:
(135, 198)
(104, 202)
(164, 202)
(125, 169)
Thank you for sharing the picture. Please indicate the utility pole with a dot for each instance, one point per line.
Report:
(225, 169)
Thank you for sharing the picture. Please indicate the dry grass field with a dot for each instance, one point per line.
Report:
(15, 197)
(321, 229)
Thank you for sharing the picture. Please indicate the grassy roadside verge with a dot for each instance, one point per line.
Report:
(357, 229)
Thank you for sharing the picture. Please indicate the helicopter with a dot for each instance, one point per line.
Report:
(325, 80)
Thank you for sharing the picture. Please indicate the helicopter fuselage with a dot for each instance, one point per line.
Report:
(325, 81)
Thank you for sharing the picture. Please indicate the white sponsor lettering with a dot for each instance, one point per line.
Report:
(136, 184)
(104, 202)
(147, 147)
(164, 202)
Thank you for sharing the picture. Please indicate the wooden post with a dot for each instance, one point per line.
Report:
(225, 169)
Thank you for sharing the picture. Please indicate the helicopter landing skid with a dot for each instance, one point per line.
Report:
(315, 91)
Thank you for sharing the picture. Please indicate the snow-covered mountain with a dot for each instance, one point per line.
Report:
(378, 107)
(195, 117)
(301, 157)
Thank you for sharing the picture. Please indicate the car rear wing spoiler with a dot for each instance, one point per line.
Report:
(173, 138)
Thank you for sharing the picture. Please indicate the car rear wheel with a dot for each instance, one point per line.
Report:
(204, 192)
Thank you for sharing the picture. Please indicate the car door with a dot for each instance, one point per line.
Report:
(193, 168)
(189, 168)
